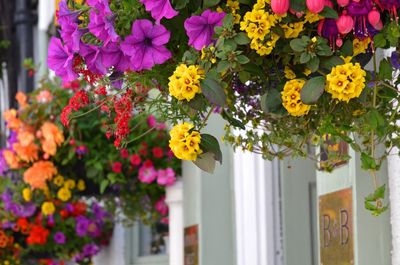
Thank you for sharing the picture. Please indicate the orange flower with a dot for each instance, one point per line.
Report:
(27, 153)
(21, 99)
(10, 116)
(52, 137)
(39, 173)
(25, 137)
(3, 239)
(11, 159)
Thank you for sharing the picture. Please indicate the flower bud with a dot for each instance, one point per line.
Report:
(374, 17)
(280, 7)
(345, 23)
(315, 6)
(343, 3)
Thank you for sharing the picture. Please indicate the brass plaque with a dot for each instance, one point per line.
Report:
(192, 245)
(336, 228)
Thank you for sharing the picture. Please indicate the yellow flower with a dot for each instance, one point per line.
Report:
(48, 208)
(360, 46)
(292, 30)
(58, 180)
(307, 72)
(311, 17)
(346, 81)
(27, 194)
(291, 98)
(64, 194)
(70, 184)
(184, 143)
(81, 185)
(289, 74)
(185, 82)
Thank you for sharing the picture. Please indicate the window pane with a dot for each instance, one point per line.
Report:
(153, 240)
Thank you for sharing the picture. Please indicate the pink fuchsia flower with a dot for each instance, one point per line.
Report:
(93, 58)
(159, 9)
(145, 45)
(158, 152)
(112, 55)
(117, 167)
(60, 60)
(161, 206)
(200, 29)
(135, 160)
(147, 174)
(124, 153)
(151, 121)
(166, 177)
(101, 22)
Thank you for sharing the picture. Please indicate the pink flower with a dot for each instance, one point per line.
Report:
(157, 152)
(44, 96)
(166, 177)
(170, 154)
(200, 29)
(147, 174)
(159, 9)
(151, 121)
(135, 160)
(164, 220)
(161, 126)
(117, 167)
(161, 206)
(124, 153)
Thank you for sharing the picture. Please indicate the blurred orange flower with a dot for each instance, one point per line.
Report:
(10, 116)
(52, 137)
(11, 159)
(28, 153)
(25, 137)
(21, 99)
(37, 175)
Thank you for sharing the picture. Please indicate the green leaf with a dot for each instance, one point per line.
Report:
(313, 64)
(298, 5)
(179, 4)
(242, 59)
(271, 101)
(103, 185)
(210, 3)
(213, 91)
(232, 121)
(222, 66)
(312, 90)
(328, 12)
(380, 40)
(305, 57)
(379, 193)
(347, 48)
(242, 39)
(385, 70)
(206, 162)
(331, 62)
(298, 45)
(244, 76)
(367, 162)
(210, 144)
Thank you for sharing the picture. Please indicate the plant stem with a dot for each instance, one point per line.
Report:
(372, 140)
(140, 136)
(206, 118)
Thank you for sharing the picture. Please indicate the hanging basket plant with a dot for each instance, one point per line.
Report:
(282, 74)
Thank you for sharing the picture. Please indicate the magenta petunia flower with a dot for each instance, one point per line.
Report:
(159, 9)
(65, 14)
(200, 29)
(161, 206)
(147, 174)
(101, 22)
(112, 55)
(71, 35)
(145, 45)
(166, 177)
(60, 60)
(93, 58)
(59, 238)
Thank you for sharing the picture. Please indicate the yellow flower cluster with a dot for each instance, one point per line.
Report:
(27, 194)
(185, 143)
(232, 6)
(185, 82)
(360, 46)
(346, 81)
(257, 24)
(64, 193)
(292, 30)
(289, 74)
(310, 17)
(291, 98)
(48, 208)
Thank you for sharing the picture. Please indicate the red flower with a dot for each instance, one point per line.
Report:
(148, 163)
(37, 236)
(117, 167)
(64, 213)
(135, 160)
(124, 153)
(158, 152)
(79, 208)
(22, 225)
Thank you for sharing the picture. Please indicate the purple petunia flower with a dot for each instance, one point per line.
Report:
(81, 227)
(90, 250)
(159, 9)
(3, 164)
(99, 212)
(12, 139)
(395, 59)
(59, 238)
(145, 45)
(65, 14)
(92, 55)
(101, 22)
(26, 210)
(200, 29)
(112, 55)
(60, 60)
(71, 35)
